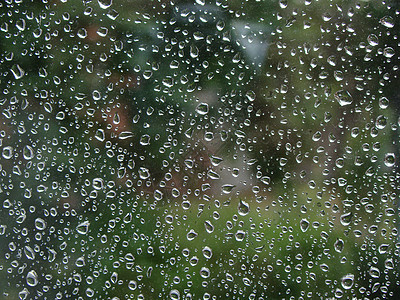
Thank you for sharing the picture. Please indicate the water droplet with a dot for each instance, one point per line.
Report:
(158, 195)
(240, 235)
(202, 109)
(374, 272)
(28, 152)
(387, 21)
(144, 173)
(32, 278)
(227, 188)
(213, 175)
(243, 208)
(348, 281)
(205, 272)
(304, 224)
(339, 245)
(23, 295)
(215, 160)
(324, 267)
(83, 227)
(100, 135)
(251, 96)
(345, 219)
(207, 252)
(98, 183)
(145, 140)
(17, 71)
(82, 33)
(102, 31)
(201, 2)
(191, 235)
(174, 295)
(343, 97)
(389, 52)
(373, 40)
(40, 224)
(209, 226)
(104, 4)
(7, 152)
(383, 248)
(29, 253)
(80, 262)
(266, 180)
(389, 264)
(125, 135)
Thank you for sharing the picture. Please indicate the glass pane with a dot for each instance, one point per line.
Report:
(199, 149)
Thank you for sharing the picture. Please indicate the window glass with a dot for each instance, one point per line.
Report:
(199, 149)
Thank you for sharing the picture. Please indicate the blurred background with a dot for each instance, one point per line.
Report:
(206, 149)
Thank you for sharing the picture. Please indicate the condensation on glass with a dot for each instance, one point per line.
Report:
(199, 149)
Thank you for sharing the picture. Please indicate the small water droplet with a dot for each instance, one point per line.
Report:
(100, 135)
(213, 175)
(383, 248)
(145, 140)
(80, 262)
(29, 253)
(98, 183)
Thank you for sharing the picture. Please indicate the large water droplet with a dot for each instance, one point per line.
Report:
(83, 227)
(209, 226)
(345, 219)
(191, 235)
(17, 71)
(207, 252)
(304, 224)
(227, 188)
(240, 235)
(374, 272)
(343, 98)
(104, 4)
(40, 224)
(32, 278)
(387, 21)
(202, 109)
(339, 244)
(7, 152)
(243, 208)
(348, 281)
